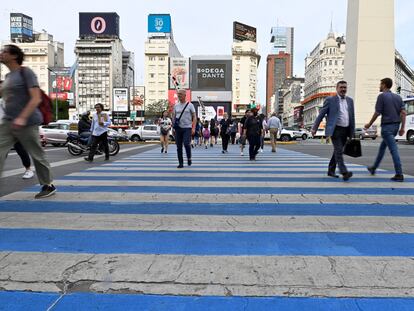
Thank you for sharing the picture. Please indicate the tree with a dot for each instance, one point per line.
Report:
(155, 109)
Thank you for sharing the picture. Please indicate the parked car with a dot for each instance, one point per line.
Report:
(117, 135)
(56, 133)
(287, 134)
(305, 133)
(145, 132)
(369, 133)
(320, 133)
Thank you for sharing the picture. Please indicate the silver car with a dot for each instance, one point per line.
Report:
(56, 133)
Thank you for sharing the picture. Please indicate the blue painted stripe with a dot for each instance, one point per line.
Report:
(194, 170)
(207, 243)
(235, 179)
(231, 190)
(115, 302)
(240, 209)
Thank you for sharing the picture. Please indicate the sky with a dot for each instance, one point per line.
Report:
(206, 27)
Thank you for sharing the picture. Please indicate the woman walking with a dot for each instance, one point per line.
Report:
(165, 128)
(225, 132)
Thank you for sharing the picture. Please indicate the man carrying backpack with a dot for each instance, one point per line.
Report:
(22, 96)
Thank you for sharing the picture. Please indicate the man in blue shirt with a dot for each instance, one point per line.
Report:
(392, 111)
(99, 129)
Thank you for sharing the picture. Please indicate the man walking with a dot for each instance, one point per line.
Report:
(225, 127)
(242, 137)
(274, 126)
(253, 130)
(340, 125)
(392, 111)
(99, 129)
(185, 119)
(21, 120)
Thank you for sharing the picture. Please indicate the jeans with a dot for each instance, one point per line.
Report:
(225, 138)
(183, 137)
(254, 145)
(96, 140)
(388, 133)
(339, 139)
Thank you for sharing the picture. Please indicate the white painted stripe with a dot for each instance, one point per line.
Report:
(66, 162)
(217, 198)
(215, 169)
(212, 275)
(171, 182)
(197, 223)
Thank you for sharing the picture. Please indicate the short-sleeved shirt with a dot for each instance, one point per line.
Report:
(253, 126)
(15, 93)
(186, 120)
(389, 106)
(165, 123)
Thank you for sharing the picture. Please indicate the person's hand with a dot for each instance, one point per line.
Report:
(367, 126)
(192, 132)
(313, 132)
(19, 122)
(401, 132)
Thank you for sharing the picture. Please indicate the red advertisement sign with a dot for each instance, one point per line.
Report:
(60, 96)
(173, 98)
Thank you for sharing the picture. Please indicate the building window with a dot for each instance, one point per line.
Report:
(151, 58)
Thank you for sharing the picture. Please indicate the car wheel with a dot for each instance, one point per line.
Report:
(410, 137)
(285, 138)
(374, 138)
(135, 138)
(304, 137)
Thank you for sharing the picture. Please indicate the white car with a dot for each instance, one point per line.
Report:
(145, 132)
(56, 133)
(287, 134)
(320, 133)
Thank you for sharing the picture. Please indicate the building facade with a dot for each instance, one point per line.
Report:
(324, 67)
(404, 77)
(282, 40)
(244, 78)
(278, 69)
(41, 55)
(292, 99)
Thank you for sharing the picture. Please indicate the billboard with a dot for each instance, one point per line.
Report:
(173, 98)
(98, 25)
(61, 85)
(120, 99)
(159, 23)
(211, 75)
(21, 27)
(212, 110)
(180, 71)
(243, 32)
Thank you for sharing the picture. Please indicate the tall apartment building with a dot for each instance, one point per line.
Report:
(278, 69)
(245, 63)
(324, 67)
(282, 40)
(293, 96)
(128, 68)
(40, 54)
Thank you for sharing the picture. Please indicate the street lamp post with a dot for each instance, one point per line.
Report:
(133, 94)
(56, 91)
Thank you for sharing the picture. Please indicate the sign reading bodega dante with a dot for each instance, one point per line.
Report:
(211, 75)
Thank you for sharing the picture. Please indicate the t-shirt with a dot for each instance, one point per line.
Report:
(389, 106)
(253, 126)
(224, 126)
(165, 123)
(186, 120)
(15, 93)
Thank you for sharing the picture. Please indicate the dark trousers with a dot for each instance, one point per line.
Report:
(254, 145)
(225, 138)
(99, 140)
(339, 139)
(183, 137)
(233, 138)
(24, 156)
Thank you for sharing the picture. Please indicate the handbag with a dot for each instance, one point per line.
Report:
(353, 148)
(177, 121)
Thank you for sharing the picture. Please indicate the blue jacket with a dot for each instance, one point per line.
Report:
(330, 109)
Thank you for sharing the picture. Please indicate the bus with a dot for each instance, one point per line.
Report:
(409, 123)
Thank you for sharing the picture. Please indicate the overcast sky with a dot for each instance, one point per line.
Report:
(205, 27)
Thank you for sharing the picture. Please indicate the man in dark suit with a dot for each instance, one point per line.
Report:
(340, 124)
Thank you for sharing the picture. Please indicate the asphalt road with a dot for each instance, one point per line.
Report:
(62, 163)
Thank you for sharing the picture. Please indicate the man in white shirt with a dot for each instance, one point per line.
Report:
(274, 126)
(99, 129)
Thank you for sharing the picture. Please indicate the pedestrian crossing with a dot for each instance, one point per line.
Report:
(224, 234)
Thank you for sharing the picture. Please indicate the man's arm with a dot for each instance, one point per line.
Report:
(35, 99)
(324, 111)
(373, 119)
(193, 114)
(403, 115)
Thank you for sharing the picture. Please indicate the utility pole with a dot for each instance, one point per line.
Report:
(133, 94)
(56, 92)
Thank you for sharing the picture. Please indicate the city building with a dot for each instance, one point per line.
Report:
(278, 69)
(282, 39)
(293, 96)
(41, 55)
(245, 63)
(128, 68)
(404, 77)
(324, 67)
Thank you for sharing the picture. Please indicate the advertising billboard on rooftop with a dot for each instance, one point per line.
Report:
(159, 23)
(21, 27)
(244, 32)
(98, 25)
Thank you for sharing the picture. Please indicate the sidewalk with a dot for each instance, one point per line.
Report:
(224, 234)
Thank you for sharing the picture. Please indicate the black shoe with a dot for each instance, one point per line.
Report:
(346, 176)
(397, 177)
(180, 166)
(162, 150)
(87, 159)
(211, 145)
(106, 158)
(371, 170)
(190, 162)
(222, 151)
(46, 191)
(332, 174)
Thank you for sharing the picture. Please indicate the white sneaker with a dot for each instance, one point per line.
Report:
(261, 150)
(28, 174)
(241, 153)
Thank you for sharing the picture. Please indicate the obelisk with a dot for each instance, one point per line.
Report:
(370, 52)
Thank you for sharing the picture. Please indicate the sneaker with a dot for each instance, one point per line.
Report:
(261, 150)
(46, 191)
(211, 145)
(190, 162)
(162, 150)
(28, 174)
(222, 151)
(371, 170)
(206, 147)
(346, 176)
(165, 151)
(398, 177)
(241, 153)
(87, 159)
(180, 166)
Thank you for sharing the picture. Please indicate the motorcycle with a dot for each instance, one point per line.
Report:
(78, 145)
